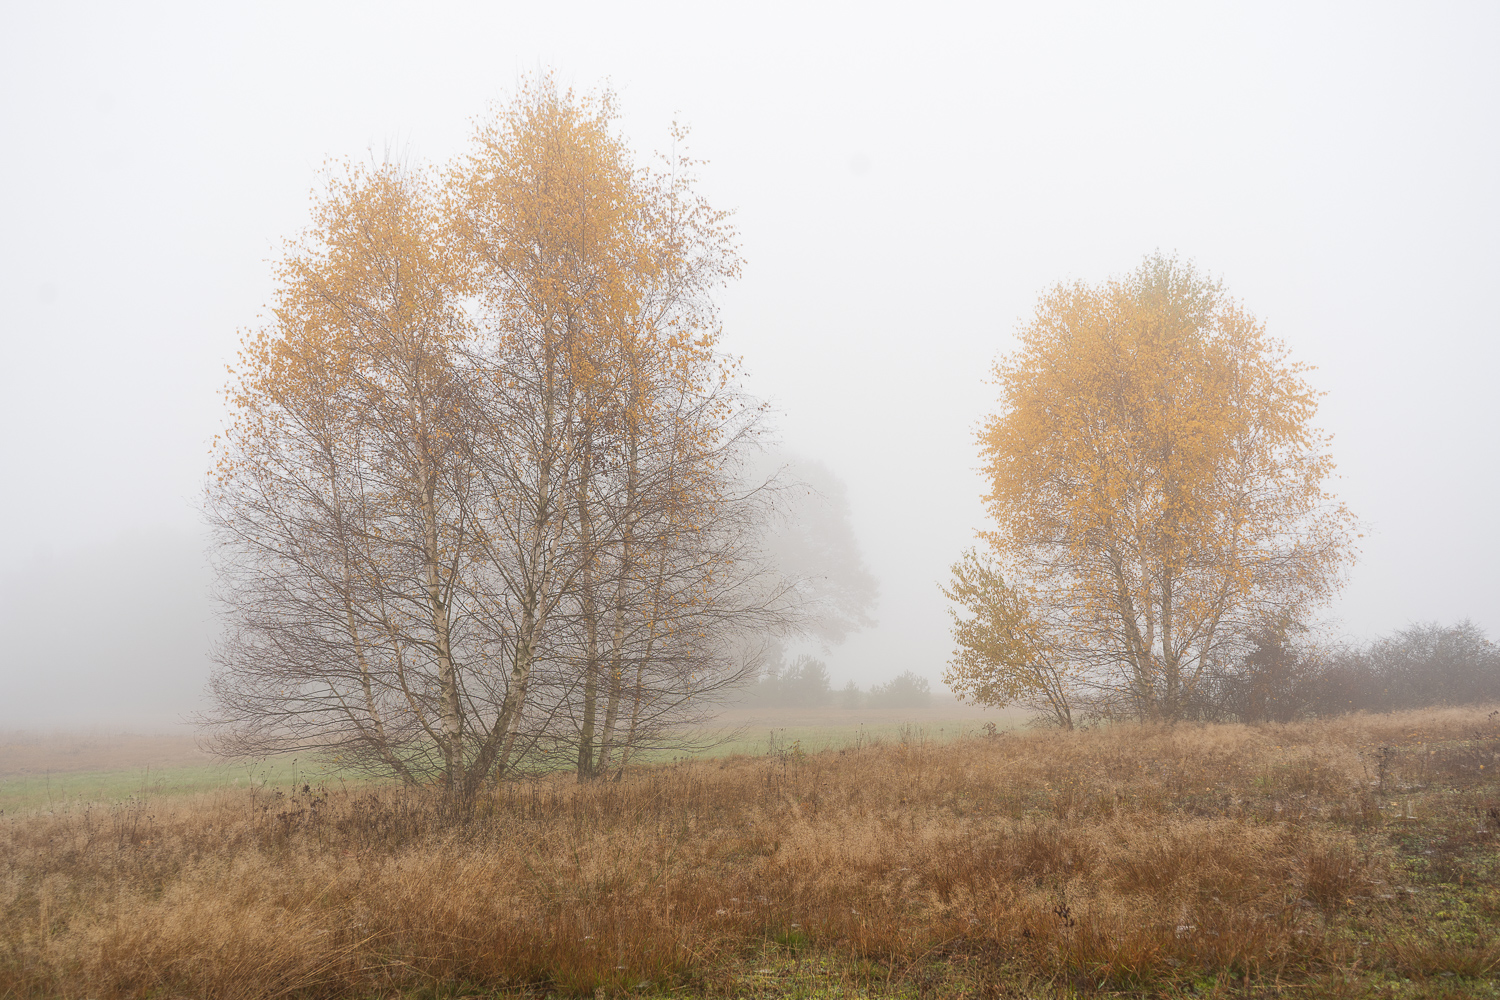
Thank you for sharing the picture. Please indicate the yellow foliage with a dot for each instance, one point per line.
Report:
(1003, 654)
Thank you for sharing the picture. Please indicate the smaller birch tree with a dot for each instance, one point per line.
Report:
(1158, 493)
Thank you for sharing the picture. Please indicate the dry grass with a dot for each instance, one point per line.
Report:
(1348, 857)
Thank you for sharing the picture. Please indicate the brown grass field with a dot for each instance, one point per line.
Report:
(36, 754)
(1348, 857)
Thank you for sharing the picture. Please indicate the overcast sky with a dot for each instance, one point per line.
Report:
(907, 179)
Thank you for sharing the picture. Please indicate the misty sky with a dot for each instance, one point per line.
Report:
(907, 181)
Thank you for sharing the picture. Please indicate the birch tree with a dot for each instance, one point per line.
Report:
(616, 454)
(481, 496)
(1158, 493)
(340, 498)
(552, 215)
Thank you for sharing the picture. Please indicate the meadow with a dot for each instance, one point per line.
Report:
(1353, 856)
(69, 770)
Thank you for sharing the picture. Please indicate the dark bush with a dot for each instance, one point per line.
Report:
(1268, 683)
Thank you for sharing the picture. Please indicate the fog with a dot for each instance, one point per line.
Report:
(906, 185)
(108, 636)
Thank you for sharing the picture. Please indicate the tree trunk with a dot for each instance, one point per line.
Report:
(622, 580)
(585, 756)
(451, 717)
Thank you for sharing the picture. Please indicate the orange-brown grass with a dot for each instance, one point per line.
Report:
(1339, 855)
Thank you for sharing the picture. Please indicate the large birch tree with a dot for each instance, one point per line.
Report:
(482, 500)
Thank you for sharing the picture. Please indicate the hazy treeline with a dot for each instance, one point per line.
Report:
(804, 683)
(1424, 665)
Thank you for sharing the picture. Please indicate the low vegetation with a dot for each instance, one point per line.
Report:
(1349, 857)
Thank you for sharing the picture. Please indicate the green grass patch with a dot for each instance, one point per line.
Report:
(70, 789)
